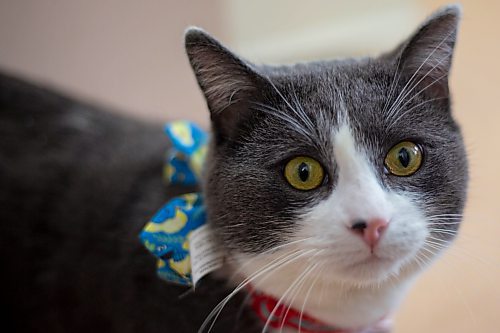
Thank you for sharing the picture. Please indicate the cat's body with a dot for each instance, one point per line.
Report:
(76, 186)
(341, 237)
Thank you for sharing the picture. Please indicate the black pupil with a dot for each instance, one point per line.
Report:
(404, 157)
(303, 171)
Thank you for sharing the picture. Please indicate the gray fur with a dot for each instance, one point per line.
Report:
(262, 116)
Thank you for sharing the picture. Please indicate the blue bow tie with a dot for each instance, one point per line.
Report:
(166, 234)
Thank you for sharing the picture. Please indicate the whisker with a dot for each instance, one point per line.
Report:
(453, 231)
(392, 89)
(420, 91)
(401, 97)
(292, 122)
(301, 112)
(426, 249)
(450, 214)
(307, 297)
(421, 262)
(440, 244)
(218, 308)
(291, 257)
(267, 252)
(435, 245)
(396, 107)
(299, 278)
(443, 232)
(290, 303)
(445, 221)
(396, 120)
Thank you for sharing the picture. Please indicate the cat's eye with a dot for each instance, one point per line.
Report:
(304, 173)
(404, 159)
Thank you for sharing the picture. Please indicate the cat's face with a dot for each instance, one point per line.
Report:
(355, 163)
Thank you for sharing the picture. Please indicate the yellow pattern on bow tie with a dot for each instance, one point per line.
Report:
(182, 267)
(171, 225)
(182, 132)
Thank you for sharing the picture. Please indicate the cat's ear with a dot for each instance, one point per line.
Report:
(228, 82)
(425, 58)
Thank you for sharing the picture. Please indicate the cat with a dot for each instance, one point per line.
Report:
(330, 185)
(311, 163)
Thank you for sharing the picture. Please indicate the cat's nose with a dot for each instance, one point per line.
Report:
(370, 230)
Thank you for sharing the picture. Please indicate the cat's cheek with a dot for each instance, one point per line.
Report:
(407, 232)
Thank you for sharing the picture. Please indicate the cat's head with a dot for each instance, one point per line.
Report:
(356, 163)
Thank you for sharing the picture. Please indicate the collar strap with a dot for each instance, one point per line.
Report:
(263, 305)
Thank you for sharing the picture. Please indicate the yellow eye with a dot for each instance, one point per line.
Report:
(304, 173)
(404, 159)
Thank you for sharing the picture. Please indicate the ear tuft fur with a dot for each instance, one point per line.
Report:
(427, 56)
(227, 81)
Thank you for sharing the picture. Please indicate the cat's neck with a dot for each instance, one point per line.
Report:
(335, 304)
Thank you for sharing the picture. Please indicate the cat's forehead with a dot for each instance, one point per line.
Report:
(350, 77)
(356, 88)
(368, 93)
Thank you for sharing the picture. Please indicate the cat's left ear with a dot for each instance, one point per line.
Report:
(228, 82)
(425, 58)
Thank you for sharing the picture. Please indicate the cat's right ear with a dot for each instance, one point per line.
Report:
(228, 82)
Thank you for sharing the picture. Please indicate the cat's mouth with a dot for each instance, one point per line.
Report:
(373, 261)
(373, 267)
(374, 258)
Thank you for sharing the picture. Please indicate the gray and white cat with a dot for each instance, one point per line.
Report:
(353, 172)
(330, 185)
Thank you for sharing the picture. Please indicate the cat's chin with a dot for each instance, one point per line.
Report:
(353, 296)
(372, 270)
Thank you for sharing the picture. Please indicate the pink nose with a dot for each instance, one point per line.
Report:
(370, 230)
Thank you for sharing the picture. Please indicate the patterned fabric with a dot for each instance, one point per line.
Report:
(189, 147)
(166, 234)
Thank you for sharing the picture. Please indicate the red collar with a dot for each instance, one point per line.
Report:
(285, 317)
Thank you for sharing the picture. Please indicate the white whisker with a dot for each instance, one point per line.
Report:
(269, 267)
(267, 252)
(403, 94)
(299, 278)
(307, 297)
(396, 120)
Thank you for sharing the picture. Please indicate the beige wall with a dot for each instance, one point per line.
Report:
(124, 53)
(128, 54)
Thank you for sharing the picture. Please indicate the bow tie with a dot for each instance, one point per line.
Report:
(166, 235)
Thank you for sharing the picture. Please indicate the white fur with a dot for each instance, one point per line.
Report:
(355, 288)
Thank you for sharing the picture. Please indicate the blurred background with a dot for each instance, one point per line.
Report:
(128, 56)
